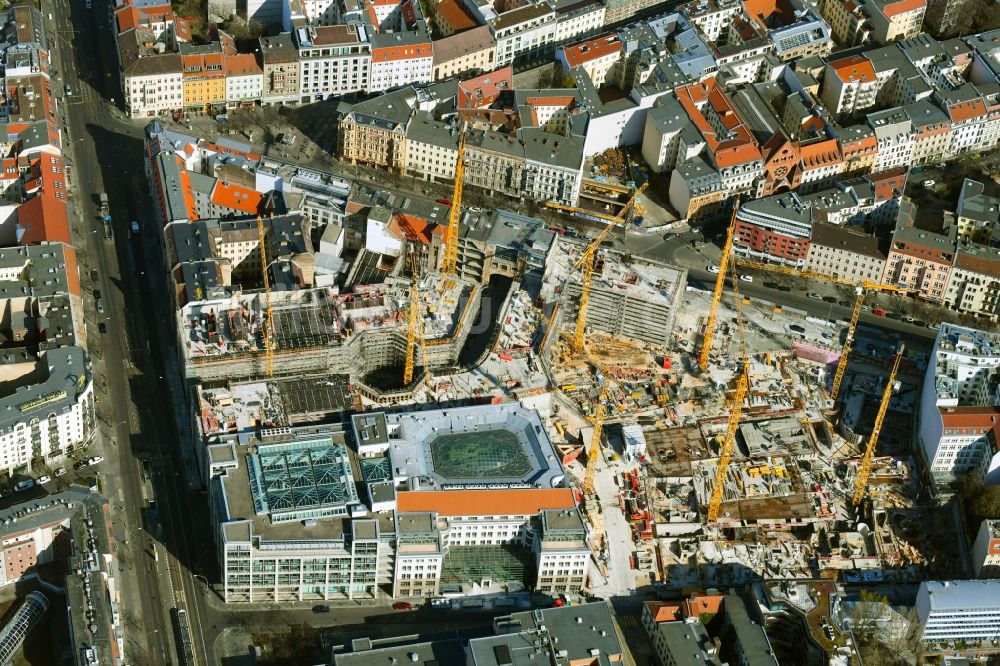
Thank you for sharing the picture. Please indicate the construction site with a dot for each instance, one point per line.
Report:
(720, 439)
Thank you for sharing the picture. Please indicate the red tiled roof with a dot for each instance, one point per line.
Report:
(483, 90)
(983, 418)
(592, 49)
(740, 146)
(72, 270)
(854, 68)
(236, 197)
(706, 603)
(662, 612)
(516, 502)
(821, 153)
(43, 218)
(967, 110)
(902, 7)
(409, 52)
(243, 64)
(453, 14)
(412, 227)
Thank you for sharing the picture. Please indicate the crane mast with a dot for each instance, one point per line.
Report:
(838, 376)
(450, 263)
(720, 282)
(865, 470)
(269, 314)
(728, 444)
(411, 324)
(595, 443)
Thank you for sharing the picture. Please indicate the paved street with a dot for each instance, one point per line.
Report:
(135, 419)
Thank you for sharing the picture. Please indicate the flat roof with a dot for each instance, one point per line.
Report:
(520, 501)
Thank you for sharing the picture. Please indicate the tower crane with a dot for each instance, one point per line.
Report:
(268, 327)
(450, 263)
(720, 282)
(586, 260)
(861, 289)
(865, 470)
(595, 442)
(411, 323)
(735, 410)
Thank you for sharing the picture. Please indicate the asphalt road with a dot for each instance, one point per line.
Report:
(135, 420)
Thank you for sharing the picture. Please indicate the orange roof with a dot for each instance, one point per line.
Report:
(518, 502)
(72, 270)
(409, 52)
(192, 211)
(598, 47)
(970, 417)
(821, 153)
(740, 146)
(854, 68)
(412, 227)
(705, 603)
(43, 218)
(236, 197)
(452, 13)
(243, 64)
(482, 90)
(662, 612)
(902, 7)
(967, 110)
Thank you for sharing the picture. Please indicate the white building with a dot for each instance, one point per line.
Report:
(959, 610)
(152, 83)
(46, 419)
(524, 31)
(333, 60)
(553, 166)
(986, 550)
(959, 412)
(670, 138)
(574, 18)
(431, 149)
(399, 59)
(895, 138)
(244, 79)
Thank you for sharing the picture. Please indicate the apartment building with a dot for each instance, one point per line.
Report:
(204, 78)
(334, 60)
(152, 83)
(577, 17)
(711, 17)
(859, 148)
(669, 138)
(822, 164)
(849, 85)
(400, 58)
(553, 165)
(848, 20)
(494, 162)
(280, 63)
(244, 80)
(986, 550)
(431, 148)
(893, 20)
(960, 405)
(775, 228)
(845, 252)
(959, 611)
(974, 283)
(526, 32)
(52, 413)
(469, 52)
(968, 114)
(920, 260)
(932, 132)
(596, 56)
(374, 131)
(977, 215)
(894, 138)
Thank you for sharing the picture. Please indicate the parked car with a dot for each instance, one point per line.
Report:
(42, 480)
(27, 484)
(95, 460)
(100, 306)
(322, 608)
(402, 605)
(830, 299)
(60, 471)
(712, 268)
(135, 226)
(813, 294)
(68, 89)
(796, 328)
(746, 278)
(878, 312)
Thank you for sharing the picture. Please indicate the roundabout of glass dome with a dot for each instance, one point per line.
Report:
(481, 454)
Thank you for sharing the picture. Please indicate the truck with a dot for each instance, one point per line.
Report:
(105, 215)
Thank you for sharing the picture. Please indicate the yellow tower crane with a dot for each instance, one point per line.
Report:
(268, 324)
(865, 470)
(595, 442)
(720, 283)
(412, 315)
(450, 264)
(586, 260)
(861, 290)
(735, 410)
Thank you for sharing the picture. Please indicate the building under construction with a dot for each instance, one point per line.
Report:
(323, 330)
(630, 297)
